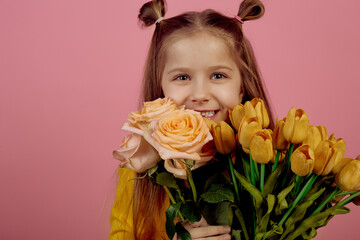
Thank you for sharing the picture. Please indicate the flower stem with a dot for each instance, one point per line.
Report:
(252, 170)
(276, 160)
(288, 156)
(297, 184)
(347, 200)
(233, 177)
(328, 199)
(345, 193)
(192, 185)
(172, 200)
(303, 192)
(262, 178)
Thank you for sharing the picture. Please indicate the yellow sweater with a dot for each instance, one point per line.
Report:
(121, 217)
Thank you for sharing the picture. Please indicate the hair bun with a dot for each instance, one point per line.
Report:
(151, 11)
(251, 9)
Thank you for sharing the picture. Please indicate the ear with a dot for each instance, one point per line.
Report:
(241, 97)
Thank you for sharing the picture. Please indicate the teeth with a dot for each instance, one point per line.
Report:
(208, 114)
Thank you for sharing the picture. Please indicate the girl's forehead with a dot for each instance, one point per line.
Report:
(199, 48)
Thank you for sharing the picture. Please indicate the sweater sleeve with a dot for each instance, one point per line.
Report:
(121, 218)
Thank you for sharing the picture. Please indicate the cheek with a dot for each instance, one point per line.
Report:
(175, 93)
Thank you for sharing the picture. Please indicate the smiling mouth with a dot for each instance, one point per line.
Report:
(208, 113)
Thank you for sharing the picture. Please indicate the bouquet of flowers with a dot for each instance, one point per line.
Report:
(266, 184)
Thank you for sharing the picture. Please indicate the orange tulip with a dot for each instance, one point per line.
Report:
(279, 141)
(236, 116)
(349, 177)
(261, 147)
(296, 126)
(302, 160)
(256, 108)
(326, 157)
(315, 135)
(224, 137)
(247, 130)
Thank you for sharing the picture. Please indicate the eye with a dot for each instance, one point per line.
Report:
(218, 76)
(182, 77)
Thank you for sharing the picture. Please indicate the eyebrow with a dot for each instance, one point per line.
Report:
(212, 68)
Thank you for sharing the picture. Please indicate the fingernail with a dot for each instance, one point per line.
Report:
(227, 229)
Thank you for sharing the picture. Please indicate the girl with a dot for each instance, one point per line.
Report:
(203, 61)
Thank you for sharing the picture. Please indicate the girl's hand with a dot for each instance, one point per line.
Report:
(201, 230)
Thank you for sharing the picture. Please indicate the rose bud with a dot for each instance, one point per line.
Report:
(349, 177)
(315, 135)
(296, 126)
(256, 108)
(279, 141)
(247, 130)
(224, 137)
(236, 116)
(340, 165)
(261, 147)
(326, 157)
(302, 160)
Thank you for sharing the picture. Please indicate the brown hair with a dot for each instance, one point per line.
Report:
(148, 197)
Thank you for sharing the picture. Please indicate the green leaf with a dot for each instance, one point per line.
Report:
(236, 234)
(341, 210)
(183, 234)
(190, 212)
(255, 193)
(309, 235)
(282, 203)
(218, 193)
(272, 180)
(166, 179)
(152, 170)
(262, 227)
(242, 222)
(218, 214)
(171, 214)
(219, 177)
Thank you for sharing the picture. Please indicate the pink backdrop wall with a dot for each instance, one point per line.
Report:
(70, 72)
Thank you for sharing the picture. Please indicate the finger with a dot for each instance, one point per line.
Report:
(207, 231)
(220, 237)
(201, 223)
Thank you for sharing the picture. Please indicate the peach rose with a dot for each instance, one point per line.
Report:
(136, 153)
(181, 135)
(152, 111)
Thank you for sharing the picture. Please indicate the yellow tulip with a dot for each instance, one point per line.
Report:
(256, 108)
(315, 135)
(261, 147)
(340, 165)
(236, 116)
(339, 146)
(326, 157)
(349, 177)
(296, 126)
(358, 157)
(247, 130)
(279, 141)
(302, 160)
(224, 137)
(209, 123)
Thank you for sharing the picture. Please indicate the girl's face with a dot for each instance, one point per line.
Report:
(201, 74)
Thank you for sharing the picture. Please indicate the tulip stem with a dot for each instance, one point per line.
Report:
(173, 201)
(231, 166)
(288, 156)
(276, 160)
(303, 192)
(262, 178)
(328, 199)
(347, 200)
(345, 193)
(252, 170)
(192, 184)
(297, 185)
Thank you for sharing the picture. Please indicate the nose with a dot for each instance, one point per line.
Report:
(200, 92)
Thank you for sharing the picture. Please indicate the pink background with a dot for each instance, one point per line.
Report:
(70, 72)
